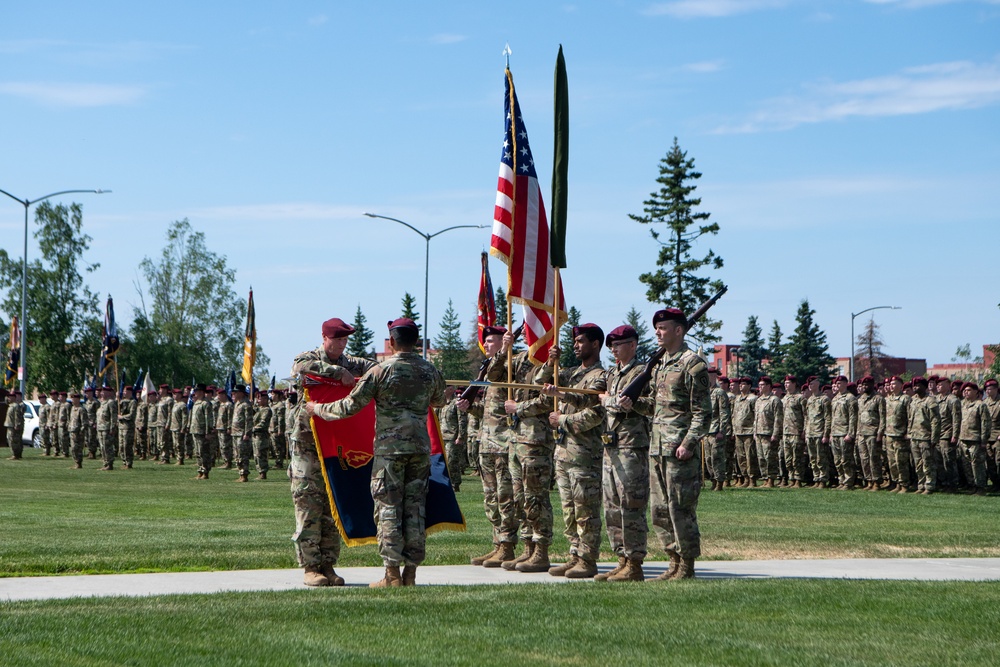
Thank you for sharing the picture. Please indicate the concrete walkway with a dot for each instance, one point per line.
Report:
(109, 585)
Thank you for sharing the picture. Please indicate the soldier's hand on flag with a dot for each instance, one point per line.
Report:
(508, 342)
(346, 378)
(554, 419)
(553, 355)
(510, 407)
(311, 408)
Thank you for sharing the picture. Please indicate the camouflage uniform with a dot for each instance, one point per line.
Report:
(924, 429)
(90, 440)
(844, 425)
(43, 427)
(767, 424)
(165, 408)
(14, 423)
(681, 410)
(107, 418)
(404, 387)
(317, 541)
(77, 422)
(200, 423)
(241, 428)
(453, 423)
(64, 442)
(871, 431)
(626, 467)
(223, 420)
(818, 422)
(261, 437)
(897, 419)
(720, 431)
(948, 454)
(52, 419)
(743, 418)
(993, 446)
(793, 410)
(473, 429)
(142, 428)
(178, 428)
(976, 431)
(276, 429)
(126, 430)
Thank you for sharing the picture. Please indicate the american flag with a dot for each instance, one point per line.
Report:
(521, 233)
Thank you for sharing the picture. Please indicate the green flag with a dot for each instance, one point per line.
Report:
(560, 167)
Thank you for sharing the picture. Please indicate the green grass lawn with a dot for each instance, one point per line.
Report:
(722, 622)
(158, 518)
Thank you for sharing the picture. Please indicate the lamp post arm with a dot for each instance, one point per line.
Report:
(448, 229)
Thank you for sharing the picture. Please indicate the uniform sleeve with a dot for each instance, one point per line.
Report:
(881, 418)
(362, 394)
(935, 422)
(701, 404)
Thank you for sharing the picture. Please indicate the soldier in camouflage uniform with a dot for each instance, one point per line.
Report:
(107, 419)
(91, 403)
(14, 423)
(743, 419)
(199, 425)
(992, 402)
(767, 424)
(681, 409)
(732, 466)
(897, 421)
(719, 433)
(261, 436)
(818, 422)
(843, 433)
(793, 431)
(279, 444)
(241, 430)
(126, 427)
(223, 420)
(473, 429)
(975, 433)
(948, 454)
(317, 541)
(871, 432)
(43, 423)
(625, 461)
(453, 422)
(164, 408)
(178, 425)
(64, 410)
(404, 387)
(579, 450)
(142, 426)
(52, 421)
(923, 429)
(77, 423)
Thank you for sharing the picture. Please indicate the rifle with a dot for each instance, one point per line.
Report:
(472, 391)
(637, 385)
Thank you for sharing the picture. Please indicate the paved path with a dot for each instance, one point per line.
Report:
(107, 585)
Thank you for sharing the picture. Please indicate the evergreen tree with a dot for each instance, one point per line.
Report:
(501, 303)
(647, 344)
(451, 357)
(409, 308)
(360, 342)
(868, 354)
(678, 283)
(567, 359)
(776, 353)
(807, 353)
(752, 351)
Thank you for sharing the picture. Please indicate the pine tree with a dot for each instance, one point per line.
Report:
(776, 353)
(806, 352)
(752, 351)
(360, 342)
(451, 357)
(647, 344)
(501, 303)
(868, 354)
(678, 283)
(567, 358)
(409, 306)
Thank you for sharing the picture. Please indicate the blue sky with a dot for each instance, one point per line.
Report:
(849, 150)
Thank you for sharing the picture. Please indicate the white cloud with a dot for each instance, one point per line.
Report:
(319, 19)
(916, 90)
(703, 67)
(74, 94)
(447, 38)
(688, 9)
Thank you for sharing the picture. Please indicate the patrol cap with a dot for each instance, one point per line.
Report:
(493, 331)
(991, 383)
(591, 330)
(670, 315)
(337, 328)
(403, 323)
(624, 332)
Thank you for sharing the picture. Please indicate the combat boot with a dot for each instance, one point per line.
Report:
(622, 562)
(314, 577)
(769, 484)
(539, 561)
(529, 548)
(262, 476)
(479, 560)
(77, 466)
(631, 572)
(561, 570)
(410, 575)
(331, 574)
(391, 579)
(503, 554)
(243, 478)
(585, 568)
(685, 570)
(201, 475)
(675, 563)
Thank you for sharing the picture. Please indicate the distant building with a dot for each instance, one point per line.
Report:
(890, 366)
(975, 372)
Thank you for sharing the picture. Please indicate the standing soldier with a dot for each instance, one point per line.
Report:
(625, 462)
(897, 421)
(76, 424)
(261, 440)
(199, 426)
(152, 430)
(818, 422)
(719, 432)
(43, 423)
(241, 429)
(223, 420)
(52, 419)
(178, 425)
(126, 426)
(992, 402)
(871, 431)
(948, 452)
(975, 433)
(404, 387)
(210, 437)
(743, 419)
(681, 411)
(317, 541)
(91, 404)
(15, 424)
(923, 429)
(277, 429)
(767, 424)
(141, 425)
(732, 468)
(843, 431)
(64, 409)
(107, 417)
(793, 410)
(580, 423)
(453, 423)
(165, 408)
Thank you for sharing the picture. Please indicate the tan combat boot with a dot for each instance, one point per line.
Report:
(410, 575)
(391, 579)
(685, 570)
(539, 561)
(529, 548)
(262, 476)
(479, 560)
(675, 563)
(243, 478)
(561, 570)
(585, 568)
(314, 577)
(604, 576)
(631, 572)
(331, 574)
(503, 554)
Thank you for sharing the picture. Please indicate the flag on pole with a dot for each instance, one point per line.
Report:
(560, 165)
(249, 342)
(520, 236)
(486, 308)
(109, 347)
(14, 358)
(147, 386)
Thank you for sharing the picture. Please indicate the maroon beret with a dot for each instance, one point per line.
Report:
(179, 392)
(669, 314)
(970, 385)
(723, 378)
(991, 383)
(713, 369)
(493, 331)
(934, 378)
(920, 380)
(841, 378)
(337, 328)
(825, 387)
(791, 378)
(588, 327)
(42, 396)
(624, 332)
(402, 323)
(74, 395)
(745, 380)
(907, 385)
(895, 377)
(811, 378)
(86, 389)
(765, 379)
(867, 378)
(164, 386)
(942, 380)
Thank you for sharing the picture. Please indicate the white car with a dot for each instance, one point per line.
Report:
(31, 436)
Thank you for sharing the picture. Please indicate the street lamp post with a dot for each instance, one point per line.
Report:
(27, 203)
(853, 315)
(427, 263)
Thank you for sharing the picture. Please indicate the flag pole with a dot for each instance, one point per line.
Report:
(560, 169)
(513, 216)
